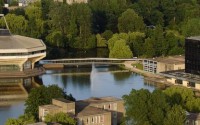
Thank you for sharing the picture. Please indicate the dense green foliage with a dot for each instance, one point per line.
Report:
(22, 120)
(146, 108)
(61, 118)
(120, 50)
(157, 28)
(166, 107)
(42, 96)
(184, 97)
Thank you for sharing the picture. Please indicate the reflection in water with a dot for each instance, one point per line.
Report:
(13, 93)
(98, 81)
(93, 76)
(153, 84)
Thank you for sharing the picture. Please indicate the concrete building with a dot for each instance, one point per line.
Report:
(92, 111)
(162, 64)
(192, 119)
(58, 105)
(114, 105)
(88, 115)
(72, 1)
(19, 53)
(192, 55)
(190, 77)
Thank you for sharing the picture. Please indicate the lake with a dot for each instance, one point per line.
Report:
(83, 83)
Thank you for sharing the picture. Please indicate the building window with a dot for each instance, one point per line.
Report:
(45, 112)
(27, 82)
(88, 120)
(187, 122)
(109, 107)
(80, 121)
(115, 114)
(92, 119)
(27, 65)
(4, 68)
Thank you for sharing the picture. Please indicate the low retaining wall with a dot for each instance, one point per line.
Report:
(23, 74)
(52, 66)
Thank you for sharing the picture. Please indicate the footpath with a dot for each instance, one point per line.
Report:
(147, 76)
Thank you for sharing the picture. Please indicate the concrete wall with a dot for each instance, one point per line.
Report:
(52, 111)
(162, 67)
(116, 107)
(171, 80)
(72, 1)
(197, 86)
(68, 107)
(185, 83)
(179, 66)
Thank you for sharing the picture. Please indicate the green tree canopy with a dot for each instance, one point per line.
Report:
(191, 27)
(146, 108)
(61, 118)
(175, 116)
(22, 120)
(42, 96)
(120, 50)
(184, 97)
(130, 21)
(17, 24)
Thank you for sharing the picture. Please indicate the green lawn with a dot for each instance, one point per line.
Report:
(138, 65)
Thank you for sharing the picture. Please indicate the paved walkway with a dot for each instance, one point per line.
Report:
(148, 76)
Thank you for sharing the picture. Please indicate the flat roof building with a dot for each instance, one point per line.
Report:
(162, 64)
(72, 1)
(192, 55)
(190, 77)
(19, 53)
(95, 111)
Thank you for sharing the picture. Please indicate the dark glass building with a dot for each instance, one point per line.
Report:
(192, 55)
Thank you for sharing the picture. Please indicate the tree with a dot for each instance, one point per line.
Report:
(175, 116)
(174, 43)
(17, 24)
(136, 43)
(191, 27)
(84, 25)
(101, 42)
(22, 120)
(149, 48)
(183, 97)
(61, 118)
(130, 21)
(55, 38)
(178, 95)
(35, 23)
(60, 17)
(112, 41)
(145, 108)
(45, 6)
(42, 96)
(120, 50)
(136, 104)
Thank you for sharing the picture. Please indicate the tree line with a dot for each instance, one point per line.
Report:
(168, 107)
(141, 27)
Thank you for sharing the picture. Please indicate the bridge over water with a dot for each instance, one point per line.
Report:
(85, 61)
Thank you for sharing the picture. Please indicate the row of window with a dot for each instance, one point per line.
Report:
(22, 54)
(4, 68)
(95, 119)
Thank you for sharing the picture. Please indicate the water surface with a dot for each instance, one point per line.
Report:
(83, 83)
